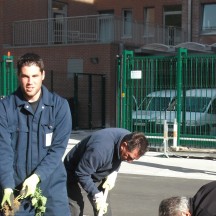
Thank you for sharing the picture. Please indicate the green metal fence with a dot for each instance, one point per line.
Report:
(173, 89)
(8, 78)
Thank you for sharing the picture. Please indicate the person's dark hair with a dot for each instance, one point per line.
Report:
(29, 59)
(173, 206)
(136, 140)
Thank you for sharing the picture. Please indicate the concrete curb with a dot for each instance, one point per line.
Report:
(187, 152)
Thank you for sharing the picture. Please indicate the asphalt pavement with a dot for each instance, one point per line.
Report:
(142, 184)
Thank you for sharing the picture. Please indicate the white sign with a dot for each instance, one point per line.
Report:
(136, 74)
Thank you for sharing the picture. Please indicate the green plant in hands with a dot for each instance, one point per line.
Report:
(39, 202)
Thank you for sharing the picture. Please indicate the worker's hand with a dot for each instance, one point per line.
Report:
(8, 197)
(110, 181)
(29, 186)
(100, 202)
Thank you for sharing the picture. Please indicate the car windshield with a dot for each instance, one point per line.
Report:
(192, 104)
(155, 104)
(196, 104)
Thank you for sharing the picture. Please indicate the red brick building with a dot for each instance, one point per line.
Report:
(86, 36)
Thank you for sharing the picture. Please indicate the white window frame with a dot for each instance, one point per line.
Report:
(53, 13)
(149, 22)
(208, 18)
(127, 23)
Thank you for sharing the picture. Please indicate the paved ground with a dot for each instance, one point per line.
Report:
(141, 185)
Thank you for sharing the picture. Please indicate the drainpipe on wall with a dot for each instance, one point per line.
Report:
(189, 20)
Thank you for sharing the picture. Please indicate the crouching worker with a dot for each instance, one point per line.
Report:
(203, 203)
(93, 163)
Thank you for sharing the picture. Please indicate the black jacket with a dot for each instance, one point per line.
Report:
(204, 201)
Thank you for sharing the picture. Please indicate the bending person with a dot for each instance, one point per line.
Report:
(93, 163)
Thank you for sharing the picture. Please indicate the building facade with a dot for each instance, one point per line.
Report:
(86, 37)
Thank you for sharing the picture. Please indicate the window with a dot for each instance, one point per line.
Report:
(127, 23)
(172, 24)
(106, 25)
(149, 21)
(57, 11)
(209, 19)
(196, 104)
(212, 109)
(173, 16)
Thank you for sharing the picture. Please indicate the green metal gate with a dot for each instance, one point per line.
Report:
(180, 88)
(8, 77)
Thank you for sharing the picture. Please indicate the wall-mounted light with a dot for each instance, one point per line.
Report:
(94, 60)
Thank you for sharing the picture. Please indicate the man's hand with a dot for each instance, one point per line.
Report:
(110, 181)
(100, 202)
(29, 186)
(8, 197)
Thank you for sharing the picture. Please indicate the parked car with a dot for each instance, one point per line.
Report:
(198, 114)
(150, 107)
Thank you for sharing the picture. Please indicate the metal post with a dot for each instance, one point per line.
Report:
(52, 76)
(103, 102)
(76, 111)
(165, 141)
(126, 55)
(90, 101)
(9, 79)
(119, 90)
(182, 53)
(175, 133)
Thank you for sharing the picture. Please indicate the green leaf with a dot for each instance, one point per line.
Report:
(34, 201)
(39, 202)
(44, 200)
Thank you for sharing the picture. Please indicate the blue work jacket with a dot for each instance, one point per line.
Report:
(34, 142)
(95, 157)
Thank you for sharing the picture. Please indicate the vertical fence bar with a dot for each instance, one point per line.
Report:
(75, 111)
(181, 54)
(118, 99)
(51, 81)
(8, 77)
(90, 101)
(103, 102)
(4, 76)
(127, 56)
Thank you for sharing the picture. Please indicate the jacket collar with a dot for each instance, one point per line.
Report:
(46, 97)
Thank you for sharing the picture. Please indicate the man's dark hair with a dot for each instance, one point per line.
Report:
(29, 59)
(136, 140)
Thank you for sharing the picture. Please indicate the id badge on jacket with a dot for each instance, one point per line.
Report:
(49, 139)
